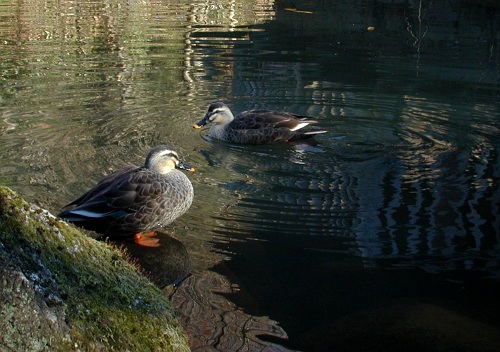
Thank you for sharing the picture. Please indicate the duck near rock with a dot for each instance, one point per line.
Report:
(135, 199)
(255, 126)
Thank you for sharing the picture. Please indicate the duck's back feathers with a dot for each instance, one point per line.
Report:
(267, 126)
(102, 185)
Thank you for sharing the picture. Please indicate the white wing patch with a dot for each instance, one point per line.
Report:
(299, 126)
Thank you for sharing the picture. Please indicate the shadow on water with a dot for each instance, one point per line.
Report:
(306, 246)
(166, 265)
(327, 299)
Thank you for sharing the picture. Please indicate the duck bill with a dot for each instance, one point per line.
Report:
(202, 122)
(184, 166)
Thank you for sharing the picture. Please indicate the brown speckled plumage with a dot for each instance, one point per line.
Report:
(135, 198)
(255, 126)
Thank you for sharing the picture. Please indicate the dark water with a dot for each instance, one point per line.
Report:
(381, 235)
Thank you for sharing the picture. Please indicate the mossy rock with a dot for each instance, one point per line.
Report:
(61, 290)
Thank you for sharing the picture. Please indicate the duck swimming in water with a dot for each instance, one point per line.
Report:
(255, 126)
(135, 199)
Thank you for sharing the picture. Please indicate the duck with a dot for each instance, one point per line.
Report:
(256, 126)
(135, 200)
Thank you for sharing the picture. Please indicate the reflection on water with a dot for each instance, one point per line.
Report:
(385, 230)
(166, 265)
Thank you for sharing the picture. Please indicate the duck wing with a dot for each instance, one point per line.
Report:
(265, 126)
(257, 119)
(102, 185)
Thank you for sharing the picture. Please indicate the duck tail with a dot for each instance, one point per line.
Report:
(306, 135)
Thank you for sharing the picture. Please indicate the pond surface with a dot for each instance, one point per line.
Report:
(382, 234)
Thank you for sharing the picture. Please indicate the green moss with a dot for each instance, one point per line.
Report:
(107, 303)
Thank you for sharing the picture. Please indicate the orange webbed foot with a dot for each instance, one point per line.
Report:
(147, 239)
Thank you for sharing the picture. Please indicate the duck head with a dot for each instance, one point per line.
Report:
(218, 113)
(163, 159)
